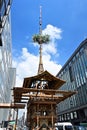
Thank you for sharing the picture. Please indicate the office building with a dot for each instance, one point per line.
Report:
(74, 72)
(7, 73)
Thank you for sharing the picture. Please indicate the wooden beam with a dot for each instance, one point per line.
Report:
(27, 90)
(41, 95)
(22, 98)
(44, 102)
(12, 105)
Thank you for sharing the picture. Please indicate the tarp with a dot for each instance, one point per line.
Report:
(11, 123)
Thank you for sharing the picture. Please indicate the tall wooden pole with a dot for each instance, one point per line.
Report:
(40, 68)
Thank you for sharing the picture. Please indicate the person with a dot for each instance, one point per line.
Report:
(10, 128)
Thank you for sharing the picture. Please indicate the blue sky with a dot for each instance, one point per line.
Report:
(69, 15)
(64, 20)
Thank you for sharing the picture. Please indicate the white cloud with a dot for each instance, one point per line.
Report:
(55, 34)
(50, 65)
(27, 64)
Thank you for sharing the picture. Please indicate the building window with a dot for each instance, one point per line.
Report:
(62, 117)
(0, 55)
(71, 115)
(65, 117)
(71, 74)
(86, 74)
(75, 114)
(68, 116)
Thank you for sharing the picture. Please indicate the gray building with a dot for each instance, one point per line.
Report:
(7, 73)
(74, 72)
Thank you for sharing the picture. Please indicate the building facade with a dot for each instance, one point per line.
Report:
(74, 72)
(7, 73)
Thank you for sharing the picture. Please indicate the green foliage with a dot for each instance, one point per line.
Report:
(40, 39)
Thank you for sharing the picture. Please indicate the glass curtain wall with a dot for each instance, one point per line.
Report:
(75, 74)
(7, 73)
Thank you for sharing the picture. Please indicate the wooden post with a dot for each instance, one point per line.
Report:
(37, 121)
(16, 119)
(37, 116)
(52, 115)
(52, 121)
